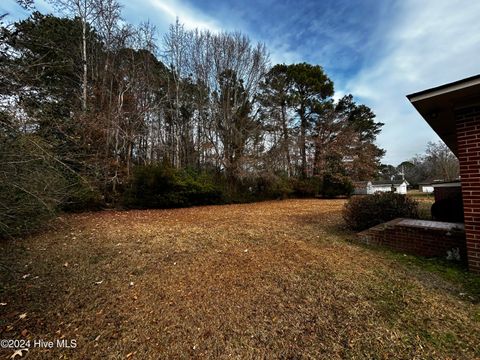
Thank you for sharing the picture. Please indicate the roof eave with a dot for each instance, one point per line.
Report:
(438, 105)
(444, 89)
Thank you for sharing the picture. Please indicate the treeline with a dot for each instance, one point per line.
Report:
(438, 163)
(96, 112)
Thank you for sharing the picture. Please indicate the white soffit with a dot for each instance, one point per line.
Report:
(446, 90)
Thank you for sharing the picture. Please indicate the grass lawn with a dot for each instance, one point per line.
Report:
(265, 280)
(425, 202)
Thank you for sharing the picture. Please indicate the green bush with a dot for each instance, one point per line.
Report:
(160, 186)
(363, 212)
(306, 187)
(268, 186)
(200, 188)
(336, 185)
(82, 196)
(279, 188)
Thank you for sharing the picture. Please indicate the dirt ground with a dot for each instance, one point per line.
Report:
(276, 279)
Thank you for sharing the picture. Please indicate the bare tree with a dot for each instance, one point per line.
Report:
(442, 162)
(87, 12)
(232, 70)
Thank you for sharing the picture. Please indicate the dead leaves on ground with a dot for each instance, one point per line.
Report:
(272, 279)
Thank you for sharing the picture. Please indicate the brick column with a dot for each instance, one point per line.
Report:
(468, 142)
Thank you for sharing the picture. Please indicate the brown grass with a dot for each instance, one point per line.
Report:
(264, 280)
(425, 202)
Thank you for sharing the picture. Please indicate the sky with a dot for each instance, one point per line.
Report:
(378, 51)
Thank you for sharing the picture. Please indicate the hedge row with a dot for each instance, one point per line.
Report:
(165, 187)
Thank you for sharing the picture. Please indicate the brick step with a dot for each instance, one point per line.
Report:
(417, 237)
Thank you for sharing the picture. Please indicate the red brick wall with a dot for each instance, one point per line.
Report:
(468, 143)
(423, 241)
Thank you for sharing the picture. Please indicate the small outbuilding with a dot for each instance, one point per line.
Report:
(453, 112)
(425, 187)
(372, 187)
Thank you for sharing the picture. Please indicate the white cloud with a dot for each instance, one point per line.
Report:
(191, 18)
(430, 43)
(280, 53)
(419, 45)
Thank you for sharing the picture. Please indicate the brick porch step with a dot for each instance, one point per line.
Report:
(417, 237)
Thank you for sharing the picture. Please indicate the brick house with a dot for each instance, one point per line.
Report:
(453, 112)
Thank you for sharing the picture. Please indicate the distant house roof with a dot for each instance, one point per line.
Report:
(430, 182)
(363, 184)
(388, 182)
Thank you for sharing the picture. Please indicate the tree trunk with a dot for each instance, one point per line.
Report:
(84, 61)
(286, 148)
(303, 146)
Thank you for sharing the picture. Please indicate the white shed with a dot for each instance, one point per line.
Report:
(371, 187)
(425, 188)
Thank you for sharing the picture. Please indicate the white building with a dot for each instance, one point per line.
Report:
(371, 187)
(426, 188)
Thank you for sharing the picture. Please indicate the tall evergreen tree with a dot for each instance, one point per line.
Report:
(309, 89)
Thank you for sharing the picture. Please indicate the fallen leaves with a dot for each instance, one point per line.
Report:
(19, 353)
(265, 280)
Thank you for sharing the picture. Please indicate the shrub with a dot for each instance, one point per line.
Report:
(269, 186)
(336, 185)
(363, 212)
(160, 186)
(200, 188)
(306, 187)
(266, 186)
(82, 196)
(279, 188)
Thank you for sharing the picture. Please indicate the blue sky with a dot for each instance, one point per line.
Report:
(379, 51)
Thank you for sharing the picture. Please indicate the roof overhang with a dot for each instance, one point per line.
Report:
(447, 184)
(437, 106)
